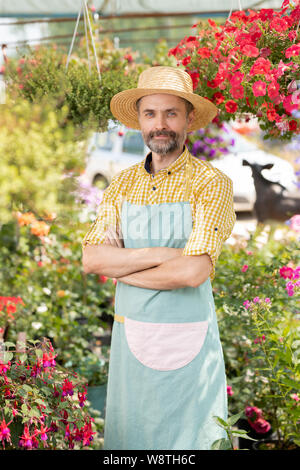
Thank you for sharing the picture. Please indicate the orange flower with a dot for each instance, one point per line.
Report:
(25, 219)
(40, 229)
(61, 293)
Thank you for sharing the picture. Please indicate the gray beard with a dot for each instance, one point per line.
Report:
(162, 148)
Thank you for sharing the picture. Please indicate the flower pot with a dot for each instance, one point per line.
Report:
(270, 444)
(246, 443)
(97, 397)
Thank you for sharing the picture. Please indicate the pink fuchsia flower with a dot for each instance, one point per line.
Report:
(267, 300)
(67, 388)
(256, 300)
(244, 268)
(43, 433)
(249, 252)
(259, 88)
(27, 440)
(247, 304)
(4, 432)
(87, 433)
(82, 396)
(229, 391)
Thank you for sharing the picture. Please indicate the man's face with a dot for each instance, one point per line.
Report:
(164, 122)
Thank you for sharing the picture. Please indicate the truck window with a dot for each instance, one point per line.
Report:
(133, 143)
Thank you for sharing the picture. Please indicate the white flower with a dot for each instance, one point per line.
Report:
(36, 325)
(46, 290)
(42, 308)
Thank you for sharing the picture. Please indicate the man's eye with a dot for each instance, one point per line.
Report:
(172, 113)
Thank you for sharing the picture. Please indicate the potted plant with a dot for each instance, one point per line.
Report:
(43, 406)
(248, 66)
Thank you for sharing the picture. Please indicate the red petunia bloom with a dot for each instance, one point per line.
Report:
(261, 66)
(292, 51)
(204, 52)
(218, 98)
(237, 92)
(237, 79)
(250, 51)
(186, 60)
(231, 106)
(279, 24)
(266, 14)
(273, 90)
(293, 125)
(195, 79)
(259, 88)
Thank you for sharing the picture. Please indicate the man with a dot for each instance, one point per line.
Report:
(159, 231)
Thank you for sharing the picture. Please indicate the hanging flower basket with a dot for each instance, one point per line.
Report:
(249, 67)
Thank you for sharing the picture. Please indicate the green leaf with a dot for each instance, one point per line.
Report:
(39, 353)
(221, 444)
(243, 434)
(234, 418)
(7, 356)
(23, 357)
(220, 422)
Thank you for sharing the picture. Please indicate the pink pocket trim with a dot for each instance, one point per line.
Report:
(165, 346)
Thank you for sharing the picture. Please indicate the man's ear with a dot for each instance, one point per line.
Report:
(191, 117)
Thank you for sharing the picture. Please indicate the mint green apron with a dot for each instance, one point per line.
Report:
(166, 373)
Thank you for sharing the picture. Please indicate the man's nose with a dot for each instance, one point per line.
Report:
(160, 121)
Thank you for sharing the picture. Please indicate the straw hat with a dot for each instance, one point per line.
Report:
(160, 79)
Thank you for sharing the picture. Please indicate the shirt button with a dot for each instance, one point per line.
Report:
(154, 188)
(169, 172)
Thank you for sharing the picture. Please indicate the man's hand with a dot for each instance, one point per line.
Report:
(114, 238)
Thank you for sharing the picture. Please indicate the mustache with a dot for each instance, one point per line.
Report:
(159, 133)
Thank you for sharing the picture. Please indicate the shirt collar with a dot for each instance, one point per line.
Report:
(175, 166)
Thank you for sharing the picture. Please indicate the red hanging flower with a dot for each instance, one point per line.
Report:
(231, 106)
(259, 88)
(250, 51)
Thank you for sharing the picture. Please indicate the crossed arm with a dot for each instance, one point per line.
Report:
(160, 268)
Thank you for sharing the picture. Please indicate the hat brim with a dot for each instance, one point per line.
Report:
(123, 106)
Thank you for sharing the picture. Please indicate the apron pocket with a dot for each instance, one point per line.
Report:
(165, 346)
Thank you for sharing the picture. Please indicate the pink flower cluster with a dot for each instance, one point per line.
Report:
(287, 272)
(256, 421)
(248, 303)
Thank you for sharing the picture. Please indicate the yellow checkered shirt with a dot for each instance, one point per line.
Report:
(211, 199)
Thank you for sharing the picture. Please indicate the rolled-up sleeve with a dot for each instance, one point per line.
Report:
(214, 220)
(107, 216)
